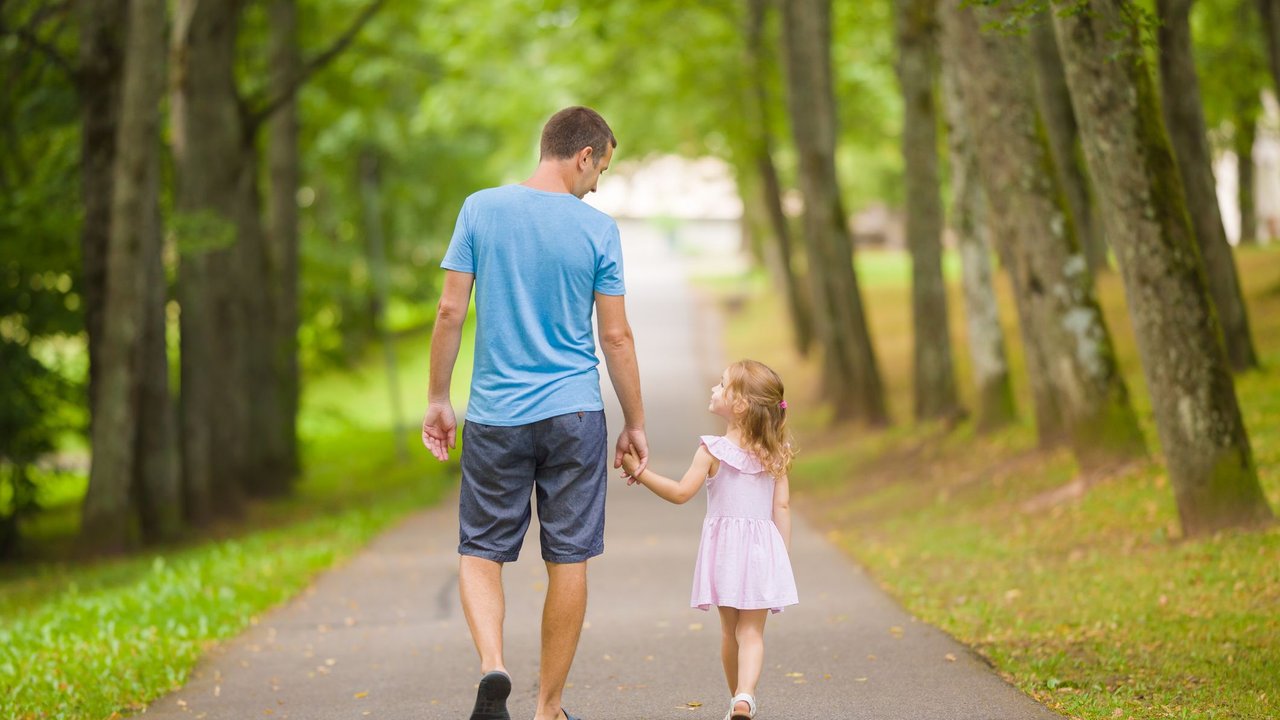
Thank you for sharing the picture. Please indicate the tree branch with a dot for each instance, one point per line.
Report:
(316, 64)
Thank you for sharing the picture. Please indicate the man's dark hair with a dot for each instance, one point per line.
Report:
(574, 128)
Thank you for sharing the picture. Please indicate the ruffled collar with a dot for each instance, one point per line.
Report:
(724, 450)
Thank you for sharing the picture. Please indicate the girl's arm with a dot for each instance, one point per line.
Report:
(782, 509)
(675, 491)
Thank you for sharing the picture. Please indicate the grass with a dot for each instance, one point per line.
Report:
(95, 640)
(1093, 603)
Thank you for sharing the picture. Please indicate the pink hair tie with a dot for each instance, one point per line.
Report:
(783, 404)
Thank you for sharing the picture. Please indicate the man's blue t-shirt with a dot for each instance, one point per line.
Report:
(538, 258)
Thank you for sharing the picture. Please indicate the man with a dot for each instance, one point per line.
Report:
(539, 259)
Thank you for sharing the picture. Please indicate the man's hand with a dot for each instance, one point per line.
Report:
(439, 429)
(634, 441)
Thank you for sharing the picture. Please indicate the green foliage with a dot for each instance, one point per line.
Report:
(1231, 60)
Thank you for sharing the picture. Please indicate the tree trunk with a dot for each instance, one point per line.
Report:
(991, 379)
(759, 102)
(1210, 462)
(1029, 217)
(1184, 118)
(157, 480)
(1063, 132)
(1269, 13)
(263, 473)
(208, 146)
(108, 517)
(934, 374)
(282, 222)
(102, 25)
(850, 375)
(1246, 130)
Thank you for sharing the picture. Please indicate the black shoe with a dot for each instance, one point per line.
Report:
(491, 697)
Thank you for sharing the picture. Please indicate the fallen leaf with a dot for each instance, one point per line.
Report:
(362, 695)
(795, 674)
(861, 679)
(950, 657)
(695, 626)
(693, 704)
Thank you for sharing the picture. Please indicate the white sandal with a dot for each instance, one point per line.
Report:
(751, 707)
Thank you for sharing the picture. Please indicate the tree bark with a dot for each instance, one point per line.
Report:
(208, 147)
(283, 167)
(108, 519)
(851, 377)
(102, 25)
(1246, 130)
(1269, 13)
(934, 373)
(1207, 451)
(1184, 118)
(798, 301)
(1063, 132)
(990, 366)
(1029, 217)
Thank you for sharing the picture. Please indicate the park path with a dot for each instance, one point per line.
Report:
(383, 636)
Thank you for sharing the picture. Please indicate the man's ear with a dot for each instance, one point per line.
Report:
(586, 157)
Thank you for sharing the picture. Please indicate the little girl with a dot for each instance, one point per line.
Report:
(743, 568)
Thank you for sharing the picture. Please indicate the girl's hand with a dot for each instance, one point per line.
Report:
(630, 467)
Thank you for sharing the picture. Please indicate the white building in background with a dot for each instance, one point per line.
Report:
(672, 202)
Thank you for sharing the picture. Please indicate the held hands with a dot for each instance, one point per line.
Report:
(634, 441)
(631, 467)
(439, 429)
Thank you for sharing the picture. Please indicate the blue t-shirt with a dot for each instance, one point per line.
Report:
(538, 258)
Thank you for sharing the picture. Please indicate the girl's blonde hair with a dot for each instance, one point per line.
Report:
(764, 419)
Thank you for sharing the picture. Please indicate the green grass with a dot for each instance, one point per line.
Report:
(1094, 604)
(92, 640)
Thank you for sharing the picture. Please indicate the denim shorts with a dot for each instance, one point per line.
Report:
(561, 461)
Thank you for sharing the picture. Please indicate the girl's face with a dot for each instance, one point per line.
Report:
(721, 403)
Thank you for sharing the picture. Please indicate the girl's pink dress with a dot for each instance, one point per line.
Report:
(742, 560)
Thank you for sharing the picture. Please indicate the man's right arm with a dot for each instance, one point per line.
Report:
(618, 345)
(439, 426)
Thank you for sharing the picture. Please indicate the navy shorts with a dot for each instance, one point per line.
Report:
(561, 460)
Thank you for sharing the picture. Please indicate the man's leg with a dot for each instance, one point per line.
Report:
(480, 585)
(562, 615)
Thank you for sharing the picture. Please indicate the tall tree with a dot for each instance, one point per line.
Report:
(283, 171)
(934, 375)
(850, 374)
(1063, 134)
(990, 366)
(1206, 447)
(1029, 217)
(98, 73)
(781, 250)
(1184, 118)
(108, 517)
(1243, 135)
(208, 153)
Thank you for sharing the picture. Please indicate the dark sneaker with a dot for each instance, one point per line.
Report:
(491, 697)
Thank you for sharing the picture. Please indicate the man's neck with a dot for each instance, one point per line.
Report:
(551, 177)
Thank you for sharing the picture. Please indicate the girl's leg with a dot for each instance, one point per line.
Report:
(729, 646)
(750, 638)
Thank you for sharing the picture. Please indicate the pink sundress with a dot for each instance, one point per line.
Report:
(742, 560)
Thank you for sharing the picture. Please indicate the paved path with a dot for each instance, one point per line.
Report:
(384, 637)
